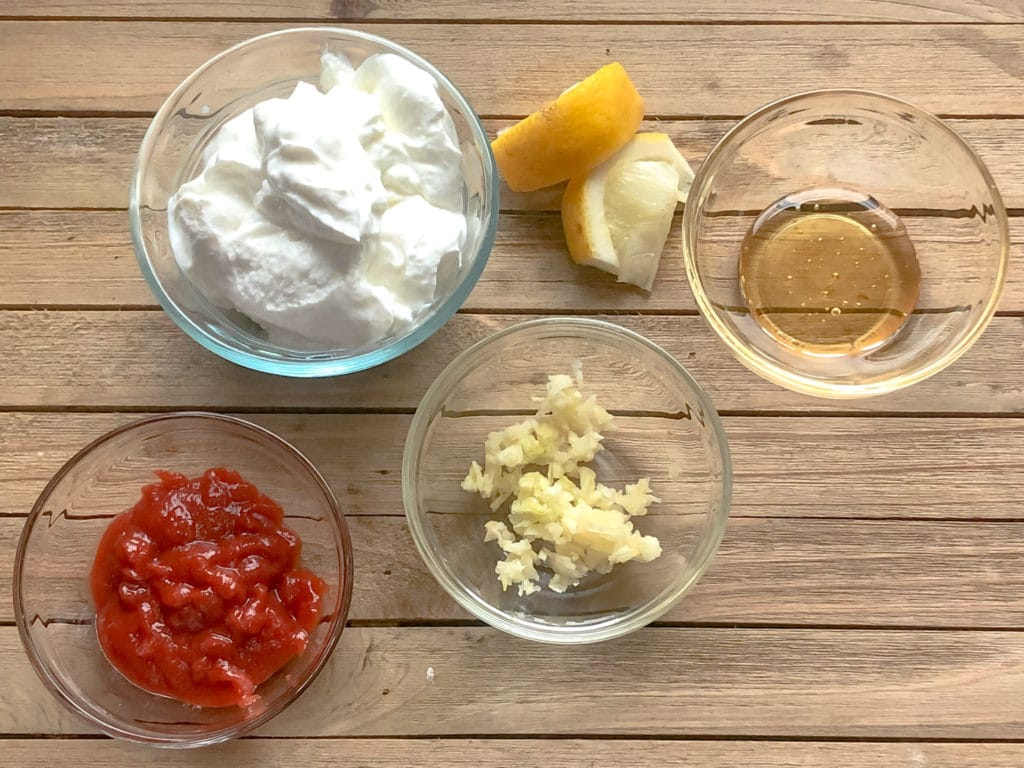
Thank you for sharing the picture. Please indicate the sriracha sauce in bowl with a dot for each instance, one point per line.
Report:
(199, 592)
(182, 579)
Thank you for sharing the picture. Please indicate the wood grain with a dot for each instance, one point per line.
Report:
(495, 753)
(783, 466)
(657, 682)
(698, 11)
(950, 69)
(84, 259)
(790, 572)
(96, 359)
(68, 162)
(86, 162)
(885, 551)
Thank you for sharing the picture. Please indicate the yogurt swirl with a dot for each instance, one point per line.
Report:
(328, 216)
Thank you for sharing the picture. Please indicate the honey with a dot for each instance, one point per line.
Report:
(829, 272)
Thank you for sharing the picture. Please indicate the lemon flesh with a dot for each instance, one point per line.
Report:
(618, 216)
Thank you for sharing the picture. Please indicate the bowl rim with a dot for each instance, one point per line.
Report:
(568, 634)
(799, 382)
(56, 687)
(327, 366)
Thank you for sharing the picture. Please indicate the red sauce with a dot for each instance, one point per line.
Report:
(198, 591)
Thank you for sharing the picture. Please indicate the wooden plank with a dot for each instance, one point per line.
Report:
(83, 259)
(864, 573)
(695, 11)
(88, 354)
(657, 682)
(494, 753)
(951, 69)
(783, 466)
(86, 162)
(68, 162)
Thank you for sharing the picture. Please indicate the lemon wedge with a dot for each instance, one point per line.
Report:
(582, 128)
(617, 217)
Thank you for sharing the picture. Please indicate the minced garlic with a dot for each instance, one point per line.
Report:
(581, 524)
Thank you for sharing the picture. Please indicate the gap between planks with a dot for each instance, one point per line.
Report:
(41, 750)
(506, 22)
(654, 625)
(706, 11)
(112, 410)
(146, 114)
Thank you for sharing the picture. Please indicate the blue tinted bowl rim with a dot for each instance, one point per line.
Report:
(778, 374)
(328, 367)
(57, 687)
(635, 618)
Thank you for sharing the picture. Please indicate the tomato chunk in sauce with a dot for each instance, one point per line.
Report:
(198, 590)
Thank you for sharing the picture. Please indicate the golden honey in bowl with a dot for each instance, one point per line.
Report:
(829, 271)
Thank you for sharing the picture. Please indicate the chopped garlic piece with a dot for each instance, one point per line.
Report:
(586, 524)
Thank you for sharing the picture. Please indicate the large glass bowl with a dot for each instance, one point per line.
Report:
(52, 602)
(666, 429)
(910, 163)
(260, 68)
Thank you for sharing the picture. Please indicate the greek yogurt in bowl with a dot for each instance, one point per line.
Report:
(314, 202)
(330, 217)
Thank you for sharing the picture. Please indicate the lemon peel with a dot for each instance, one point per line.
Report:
(580, 129)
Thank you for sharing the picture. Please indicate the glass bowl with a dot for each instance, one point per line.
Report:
(885, 173)
(52, 602)
(665, 429)
(260, 68)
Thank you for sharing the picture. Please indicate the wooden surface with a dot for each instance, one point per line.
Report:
(866, 607)
(683, 70)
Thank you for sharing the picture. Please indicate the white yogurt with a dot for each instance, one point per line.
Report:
(327, 217)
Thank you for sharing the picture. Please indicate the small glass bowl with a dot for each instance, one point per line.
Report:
(912, 164)
(260, 68)
(52, 602)
(665, 429)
